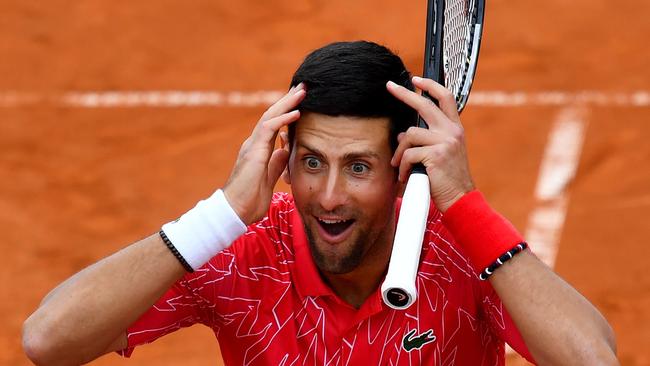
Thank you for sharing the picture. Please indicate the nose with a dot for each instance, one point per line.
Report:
(333, 193)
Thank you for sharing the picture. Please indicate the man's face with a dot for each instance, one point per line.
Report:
(344, 188)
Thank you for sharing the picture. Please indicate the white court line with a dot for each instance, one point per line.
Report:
(13, 99)
(262, 98)
(171, 99)
(558, 168)
(639, 98)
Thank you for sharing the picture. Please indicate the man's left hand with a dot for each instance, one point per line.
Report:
(441, 148)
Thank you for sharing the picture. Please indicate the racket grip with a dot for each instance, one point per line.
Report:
(398, 290)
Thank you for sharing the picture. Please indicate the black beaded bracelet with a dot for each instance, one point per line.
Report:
(487, 272)
(175, 252)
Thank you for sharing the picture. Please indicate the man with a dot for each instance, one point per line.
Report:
(294, 279)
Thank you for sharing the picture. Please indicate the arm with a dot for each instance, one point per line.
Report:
(88, 314)
(558, 325)
(66, 329)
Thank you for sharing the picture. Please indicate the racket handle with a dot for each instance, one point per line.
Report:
(398, 290)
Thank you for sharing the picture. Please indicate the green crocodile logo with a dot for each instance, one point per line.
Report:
(411, 342)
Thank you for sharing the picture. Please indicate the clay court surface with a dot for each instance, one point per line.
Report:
(81, 178)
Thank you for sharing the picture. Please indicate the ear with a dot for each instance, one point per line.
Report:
(284, 143)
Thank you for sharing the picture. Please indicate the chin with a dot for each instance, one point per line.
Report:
(335, 263)
(334, 267)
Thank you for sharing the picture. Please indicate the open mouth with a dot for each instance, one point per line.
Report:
(334, 227)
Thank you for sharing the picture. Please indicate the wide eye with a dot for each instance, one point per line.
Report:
(312, 163)
(359, 168)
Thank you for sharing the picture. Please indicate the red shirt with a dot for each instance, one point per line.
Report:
(267, 304)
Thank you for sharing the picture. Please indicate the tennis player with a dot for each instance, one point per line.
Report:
(293, 279)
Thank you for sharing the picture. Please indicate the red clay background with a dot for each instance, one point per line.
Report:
(78, 184)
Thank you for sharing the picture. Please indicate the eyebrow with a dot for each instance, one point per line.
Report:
(348, 156)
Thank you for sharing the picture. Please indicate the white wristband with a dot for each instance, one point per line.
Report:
(205, 230)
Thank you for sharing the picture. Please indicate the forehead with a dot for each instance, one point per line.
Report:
(343, 133)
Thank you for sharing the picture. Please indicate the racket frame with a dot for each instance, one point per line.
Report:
(468, 77)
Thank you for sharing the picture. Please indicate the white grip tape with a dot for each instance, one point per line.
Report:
(398, 290)
(205, 230)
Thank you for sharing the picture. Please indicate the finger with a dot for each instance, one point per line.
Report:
(286, 103)
(266, 131)
(291, 91)
(411, 157)
(277, 163)
(425, 107)
(444, 96)
(415, 136)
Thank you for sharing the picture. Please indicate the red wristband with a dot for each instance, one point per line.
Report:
(482, 232)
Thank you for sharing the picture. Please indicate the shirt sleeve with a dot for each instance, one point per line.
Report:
(211, 295)
(176, 309)
(189, 301)
(500, 321)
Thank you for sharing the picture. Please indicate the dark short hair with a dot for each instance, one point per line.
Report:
(349, 79)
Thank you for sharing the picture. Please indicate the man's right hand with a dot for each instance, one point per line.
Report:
(259, 165)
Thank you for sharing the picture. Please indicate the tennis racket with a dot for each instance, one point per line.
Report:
(453, 38)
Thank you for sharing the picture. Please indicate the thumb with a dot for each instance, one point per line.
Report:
(277, 163)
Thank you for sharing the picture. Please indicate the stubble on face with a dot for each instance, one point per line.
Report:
(345, 257)
(337, 264)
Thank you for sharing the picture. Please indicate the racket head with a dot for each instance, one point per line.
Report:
(462, 33)
(453, 40)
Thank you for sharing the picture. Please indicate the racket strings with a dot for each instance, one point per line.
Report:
(460, 18)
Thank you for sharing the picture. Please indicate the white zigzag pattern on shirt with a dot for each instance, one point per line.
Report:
(258, 333)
